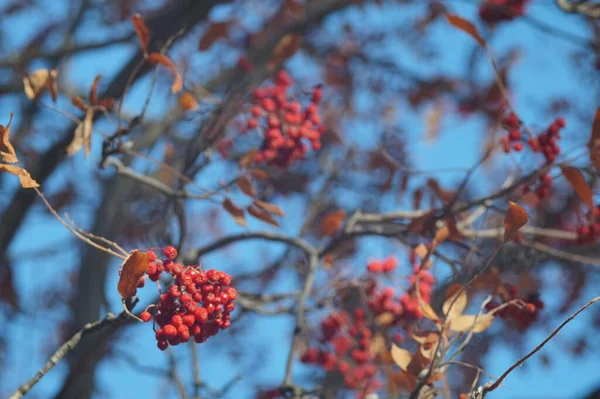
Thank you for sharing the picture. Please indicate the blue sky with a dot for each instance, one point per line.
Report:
(542, 72)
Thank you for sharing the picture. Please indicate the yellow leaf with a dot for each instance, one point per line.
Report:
(515, 218)
(579, 185)
(455, 303)
(401, 357)
(83, 135)
(477, 323)
(37, 82)
(24, 176)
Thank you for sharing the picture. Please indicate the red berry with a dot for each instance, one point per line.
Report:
(170, 252)
(146, 316)
(162, 345)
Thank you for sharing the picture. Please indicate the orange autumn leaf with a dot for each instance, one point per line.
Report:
(515, 218)
(579, 185)
(466, 26)
(215, 31)
(132, 270)
(332, 222)
(157, 58)
(188, 102)
(594, 143)
(6, 149)
(142, 31)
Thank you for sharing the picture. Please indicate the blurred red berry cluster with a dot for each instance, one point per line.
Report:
(288, 124)
(524, 310)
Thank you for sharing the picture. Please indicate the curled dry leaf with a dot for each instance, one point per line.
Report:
(94, 90)
(37, 82)
(455, 303)
(79, 103)
(24, 176)
(6, 149)
(332, 222)
(157, 58)
(476, 323)
(466, 26)
(427, 310)
(188, 102)
(238, 214)
(247, 159)
(259, 174)
(515, 218)
(132, 269)
(579, 185)
(401, 357)
(142, 31)
(594, 143)
(272, 208)
(83, 135)
(285, 48)
(215, 31)
(262, 215)
(245, 185)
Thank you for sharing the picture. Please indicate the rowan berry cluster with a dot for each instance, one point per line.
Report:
(523, 316)
(494, 11)
(197, 304)
(588, 233)
(514, 138)
(345, 348)
(346, 334)
(287, 124)
(542, 190)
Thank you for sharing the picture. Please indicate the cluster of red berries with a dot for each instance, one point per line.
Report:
(386, 265)
(197, 305)
(547, 141)
(346, 343)
(588, 233)
(514, 138)
(523, 316)
(288, 125)
(494, 11)
(542, 190)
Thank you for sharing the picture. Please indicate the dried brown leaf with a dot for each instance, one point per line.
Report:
(262, 215)
(157, 58)
(477, 323)
(467, 27)
(594, 143)
(132, 270)
(245, 185)
(238, 214)
(215, 31)
(515, 218)
(94, 90)
(53, 85)
(24, 176)
(79, 103)
(36, 83)
(259, 174)
(83, 135)
(332, 222)
(401, 357)
(247, 159)
(142, 31)
(6, 149)
(272, 208)
(287, 47)
(579, 185)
